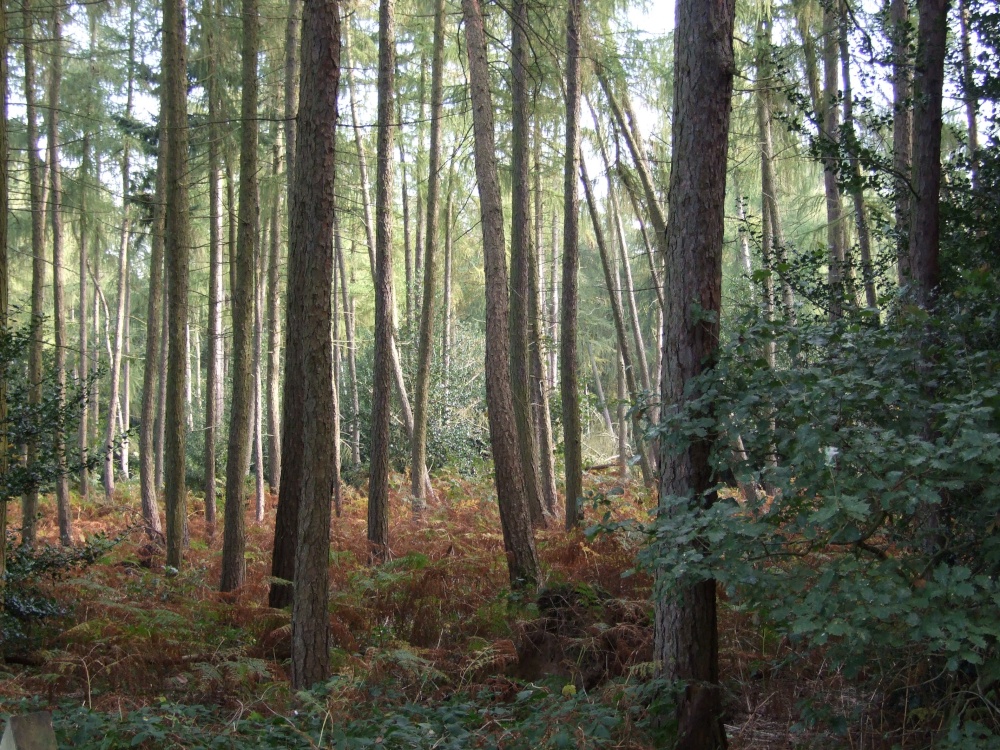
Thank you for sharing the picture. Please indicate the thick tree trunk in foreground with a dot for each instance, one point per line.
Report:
(508, 474)
(568, 364)
(928, 81)
(308, 432)
(177, 249)
(686, 628)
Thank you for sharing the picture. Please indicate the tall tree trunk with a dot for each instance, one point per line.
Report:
(769, 191)
(508, 474)
(310, 474)
(446, 323)
(928, 82)
(378, 481)
(568, 364)
(4, 275)
(969, 92)
(539, 385)
(418, 452)
(258, 383)
(520, 261)
(161, 408)
(856, 185)
(126, 390)
(369, 222)
(352, 366)
(29, 503)
(120, 310)
(829, 132)
(407, 246)
(555, 268)
(177, 250)
(84, 333)
(274, 333)
(902, 130)
(686, 629)
(153, 362)
(243, 296)
(213, 409)
(58, 303)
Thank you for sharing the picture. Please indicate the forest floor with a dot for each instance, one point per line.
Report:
(431, 649)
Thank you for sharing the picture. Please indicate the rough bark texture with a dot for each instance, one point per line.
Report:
(537, 314)
(243, 311)
(568, 364)
(928, 81)
(308, 430)
(686, 629)
(29, 503)
(120, 311)
(274, 334)
(4, 279)
(508, 474)
(177, 249)
(520, 261)
(213, 409)
(153, 363)
(421, 388)
(378, 478)
(63, 510)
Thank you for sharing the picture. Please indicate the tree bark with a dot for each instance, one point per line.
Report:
(568, 364)
(902, 130)
(154, 363)
(928, 82)
(177, 249)
(214, 406)
(378, 479)
(120, 310)
(310, 474)
(521, 270)
(418, 452)
(369, 222)
(243, 307)
(29, 503)
(969, 92)
(352, 367)
(686, 629)
(829, 134)
(508, 474)
(856, 185)
(58, 298)
(274, 334)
